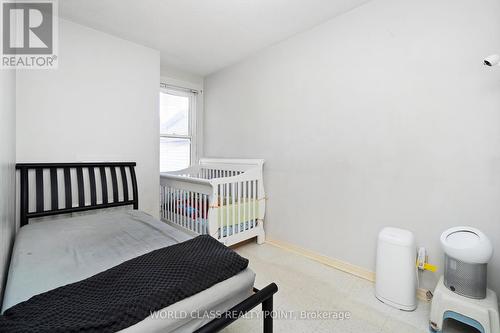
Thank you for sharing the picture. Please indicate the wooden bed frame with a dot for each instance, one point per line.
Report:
(53, 170)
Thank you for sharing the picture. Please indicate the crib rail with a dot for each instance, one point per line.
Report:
(198, 174)
(225, 200)
(212, 168)
(185, 208)
(237, 207)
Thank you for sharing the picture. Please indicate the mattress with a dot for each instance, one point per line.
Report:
(54, 253)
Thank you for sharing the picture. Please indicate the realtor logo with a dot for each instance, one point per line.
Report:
(29, 34)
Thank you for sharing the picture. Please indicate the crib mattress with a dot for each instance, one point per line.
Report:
(54, 253)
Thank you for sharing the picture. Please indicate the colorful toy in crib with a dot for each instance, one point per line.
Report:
(188, 206)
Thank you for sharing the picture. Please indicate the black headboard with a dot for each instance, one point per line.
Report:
(64, 171)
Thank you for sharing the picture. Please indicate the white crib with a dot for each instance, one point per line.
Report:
(224, 198)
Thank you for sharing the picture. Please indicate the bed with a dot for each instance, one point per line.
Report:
(39, 264)
(224, 198)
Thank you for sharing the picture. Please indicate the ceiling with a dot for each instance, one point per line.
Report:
(203, 36)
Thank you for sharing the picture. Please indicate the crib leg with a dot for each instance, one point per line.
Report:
(261, 239)
(261, 236)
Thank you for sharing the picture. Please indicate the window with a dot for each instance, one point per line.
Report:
(177, 128)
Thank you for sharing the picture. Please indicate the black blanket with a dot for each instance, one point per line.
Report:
(126, 294)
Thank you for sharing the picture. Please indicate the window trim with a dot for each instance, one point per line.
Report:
(192, 121)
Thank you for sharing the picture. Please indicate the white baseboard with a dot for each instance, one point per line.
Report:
(335, 263)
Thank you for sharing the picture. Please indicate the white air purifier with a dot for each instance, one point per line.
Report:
(467, 252)
(396, 277)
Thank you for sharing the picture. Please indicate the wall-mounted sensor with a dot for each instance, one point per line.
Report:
(492, 60)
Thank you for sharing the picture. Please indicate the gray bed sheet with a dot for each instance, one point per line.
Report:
(57, 252)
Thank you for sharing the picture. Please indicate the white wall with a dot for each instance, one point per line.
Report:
(101, 104)
(382, 116)
(7, 168)
(181, 78)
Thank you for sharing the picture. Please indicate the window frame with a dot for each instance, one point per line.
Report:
(192, 122)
